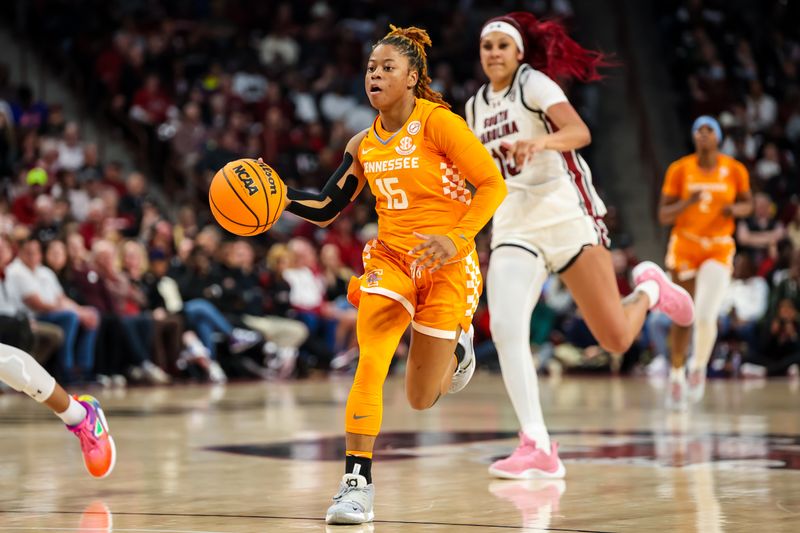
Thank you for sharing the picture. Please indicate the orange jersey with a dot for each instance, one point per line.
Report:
(719, 187)
(419, 176)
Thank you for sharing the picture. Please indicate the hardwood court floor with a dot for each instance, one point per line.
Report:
(267, 457)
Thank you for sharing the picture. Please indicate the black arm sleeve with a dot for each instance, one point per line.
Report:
(321, 207)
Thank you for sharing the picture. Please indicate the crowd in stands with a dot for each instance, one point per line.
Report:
(102, 254)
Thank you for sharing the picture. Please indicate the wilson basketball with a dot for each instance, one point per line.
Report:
(246, 197)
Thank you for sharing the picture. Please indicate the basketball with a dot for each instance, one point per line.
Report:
(246, 197)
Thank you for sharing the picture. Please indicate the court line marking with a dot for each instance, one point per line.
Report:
(272, 517)
(105, 529)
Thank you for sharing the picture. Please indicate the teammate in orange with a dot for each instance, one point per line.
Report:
(551, 221)
(422, 269)
(702, 195)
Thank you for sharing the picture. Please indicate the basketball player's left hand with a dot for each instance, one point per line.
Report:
(434, 250)
(521, 151)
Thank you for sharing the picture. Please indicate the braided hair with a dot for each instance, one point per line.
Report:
(411, 42)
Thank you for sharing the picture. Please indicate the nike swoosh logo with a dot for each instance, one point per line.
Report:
(356, 417)
(365, 151)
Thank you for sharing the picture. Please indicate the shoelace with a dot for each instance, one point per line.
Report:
(354, 495)
(85, 433)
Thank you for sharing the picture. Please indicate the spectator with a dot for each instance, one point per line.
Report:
(15, 326)
(759, 233)
(70, 148)
(745, 304)
(36, 289)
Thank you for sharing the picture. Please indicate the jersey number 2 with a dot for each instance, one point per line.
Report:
(395, 198)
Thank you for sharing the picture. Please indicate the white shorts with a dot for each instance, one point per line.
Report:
(553, 224)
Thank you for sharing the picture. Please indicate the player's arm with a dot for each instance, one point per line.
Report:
(342, 188)
(571, 132)
(671, 205)
(450, 134)
(742, 207)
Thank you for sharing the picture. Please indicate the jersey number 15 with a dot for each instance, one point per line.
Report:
(395, 198)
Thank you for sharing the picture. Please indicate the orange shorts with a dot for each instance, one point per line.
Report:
(438, 303)
(685, 253)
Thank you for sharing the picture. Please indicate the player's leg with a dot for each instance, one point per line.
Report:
(441, 356)
(430, 368)
(380, 324)
(710, 284)
(83, 415)
(679, 337)
(514, 283)
(593, 285)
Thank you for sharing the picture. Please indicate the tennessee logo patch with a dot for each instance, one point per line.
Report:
(374, 277)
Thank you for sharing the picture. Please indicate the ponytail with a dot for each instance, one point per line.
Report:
(550, 49)
(411, 42)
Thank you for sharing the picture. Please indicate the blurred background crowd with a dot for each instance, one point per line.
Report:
(116, 272)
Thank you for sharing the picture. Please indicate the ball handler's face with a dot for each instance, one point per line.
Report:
(500, 56)
(388, 78)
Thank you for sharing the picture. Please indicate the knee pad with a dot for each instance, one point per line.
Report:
(21, 371)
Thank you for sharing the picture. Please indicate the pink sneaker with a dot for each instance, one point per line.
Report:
(529, 462)
(673, 301)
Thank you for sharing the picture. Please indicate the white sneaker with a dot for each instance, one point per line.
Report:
(466, 368)
(697, 384)
(215, 372)
(353, 503)
(676, 396)
(749, 370)
(154, 374)
(658, 367)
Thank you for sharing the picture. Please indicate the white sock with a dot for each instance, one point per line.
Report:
(677, 374)
(74, 414)
(651, 289)
(514, 283)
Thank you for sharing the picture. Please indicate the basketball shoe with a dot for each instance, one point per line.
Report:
(97, 445)
(353, 503)
(697, 384)
(673, 299)
(466, 368)
(676, 396)
(529, 462)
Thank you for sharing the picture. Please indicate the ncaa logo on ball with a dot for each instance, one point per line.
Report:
(413, 127)
(246, 180)
(405, 146)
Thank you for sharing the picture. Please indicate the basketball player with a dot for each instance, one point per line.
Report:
(702, 195)
(551, 220)
(82, 415)
(422, 268)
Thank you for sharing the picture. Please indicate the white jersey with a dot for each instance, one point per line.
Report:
(552, 209)
(517, 113)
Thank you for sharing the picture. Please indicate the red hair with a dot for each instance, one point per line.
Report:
(550, 49)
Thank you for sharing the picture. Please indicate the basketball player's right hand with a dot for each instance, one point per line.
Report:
(520, 151)
(286, 200)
